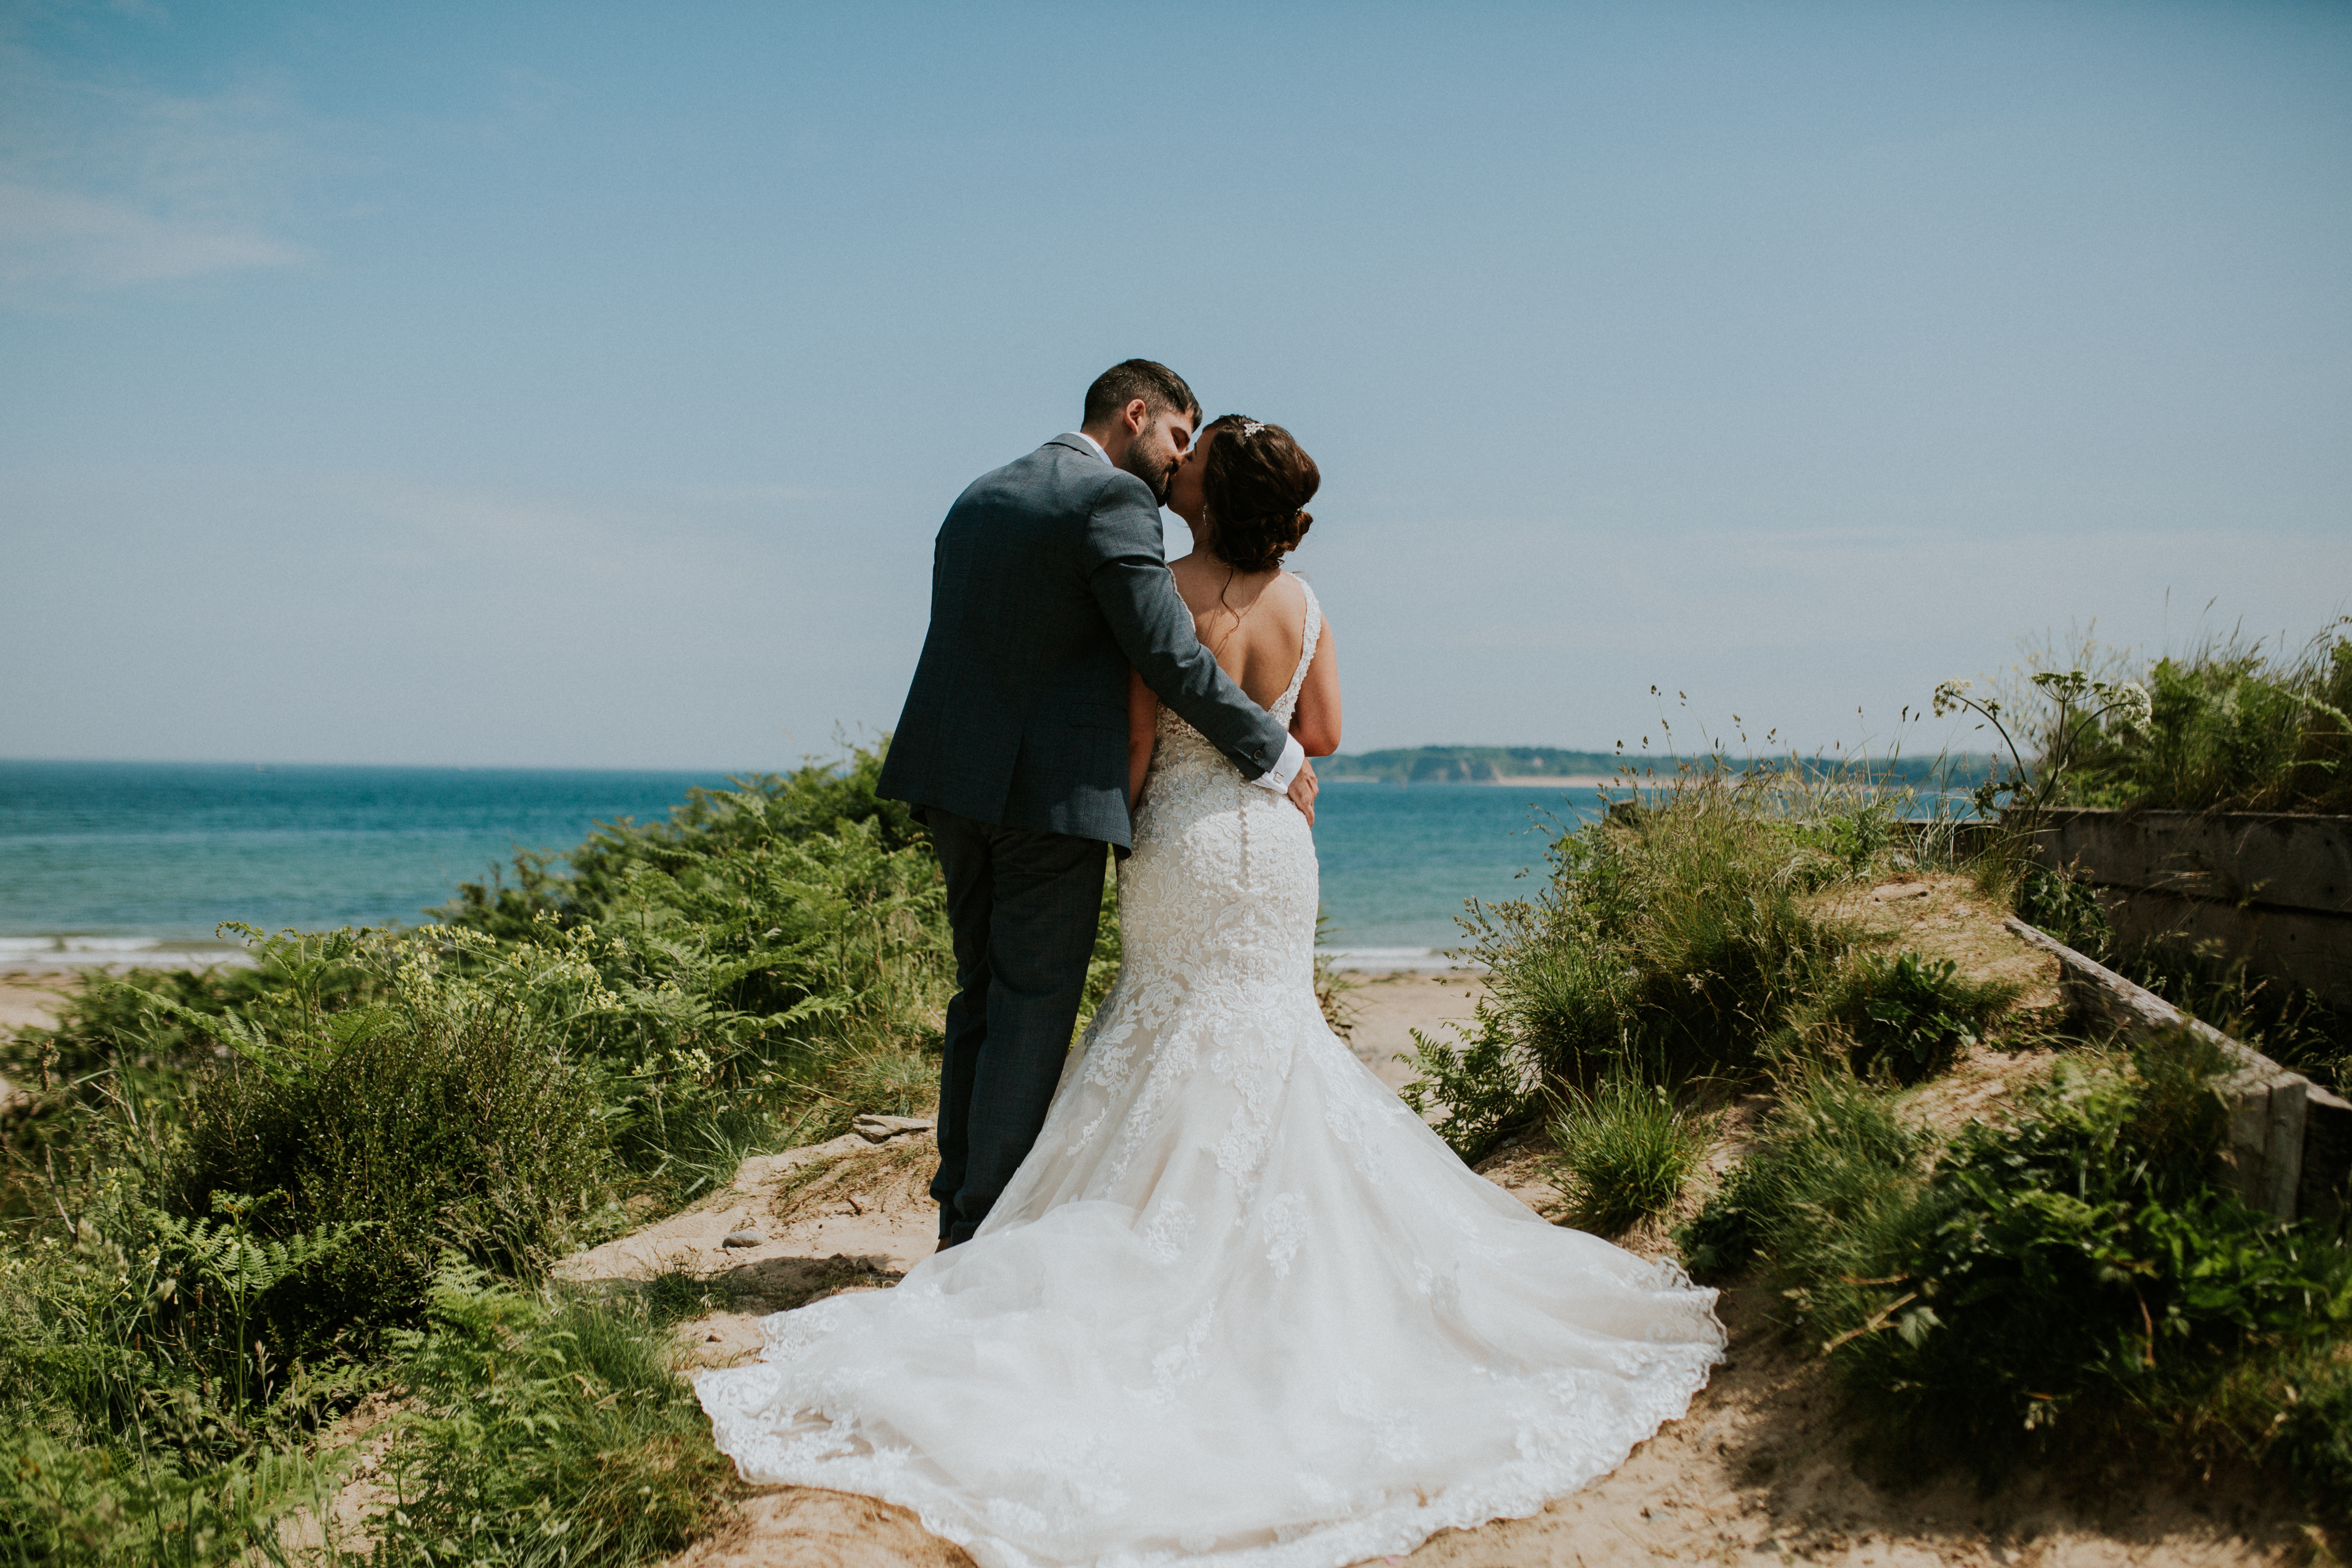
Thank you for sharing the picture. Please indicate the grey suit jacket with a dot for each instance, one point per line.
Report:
(1047, 582)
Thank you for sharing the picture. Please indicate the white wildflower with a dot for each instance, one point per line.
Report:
(2130, 703)
(2066, 686)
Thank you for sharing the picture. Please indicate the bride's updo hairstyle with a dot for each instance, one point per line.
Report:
(1258, 485)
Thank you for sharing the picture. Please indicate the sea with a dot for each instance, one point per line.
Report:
(118, 864)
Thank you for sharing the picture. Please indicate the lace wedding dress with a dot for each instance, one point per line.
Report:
(1239, 1306)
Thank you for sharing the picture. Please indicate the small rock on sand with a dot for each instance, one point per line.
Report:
(882, 1128)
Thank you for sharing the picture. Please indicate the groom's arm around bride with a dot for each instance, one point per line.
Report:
(1048, 584)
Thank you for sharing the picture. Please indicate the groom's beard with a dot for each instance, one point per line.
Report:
(1137, 463)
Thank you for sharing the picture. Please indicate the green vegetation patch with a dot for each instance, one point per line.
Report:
(1625, 1152)
(2230, 726)
(2076, 1272)
(239, 1201)
(1675, 937)
(547, 1430)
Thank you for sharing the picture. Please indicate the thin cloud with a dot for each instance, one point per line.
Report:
(107, 185)
(51, 237)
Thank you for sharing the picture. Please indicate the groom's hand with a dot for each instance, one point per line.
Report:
(1302, 792)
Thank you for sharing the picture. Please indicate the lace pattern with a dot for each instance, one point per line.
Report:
(1239, 1307)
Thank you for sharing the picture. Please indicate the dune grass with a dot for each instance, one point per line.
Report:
(1677, 937)
(2005, 1295)
(239, 1201)
(1624, 1150)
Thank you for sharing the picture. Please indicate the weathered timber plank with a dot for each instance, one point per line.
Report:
(2276, 860)
(2290, 1141)
(2267, 889)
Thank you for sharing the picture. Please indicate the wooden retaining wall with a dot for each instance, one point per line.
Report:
(2290, 1140)
(2271, 889)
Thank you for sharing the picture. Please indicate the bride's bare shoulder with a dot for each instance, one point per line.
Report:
(1294, 594)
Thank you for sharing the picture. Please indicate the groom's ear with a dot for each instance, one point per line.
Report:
(1136, 415)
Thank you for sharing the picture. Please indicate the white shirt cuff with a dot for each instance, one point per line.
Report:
(1277, 777)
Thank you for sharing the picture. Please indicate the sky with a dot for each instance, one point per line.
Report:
(581, 384)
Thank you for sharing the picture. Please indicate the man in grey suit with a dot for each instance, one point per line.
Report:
(1048, 584)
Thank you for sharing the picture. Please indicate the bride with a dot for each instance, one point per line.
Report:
(1239, 1305)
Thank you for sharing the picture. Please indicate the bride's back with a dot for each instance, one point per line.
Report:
(1253, 622)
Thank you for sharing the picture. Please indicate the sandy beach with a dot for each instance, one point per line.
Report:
(31, 1001)
(1762, 1468)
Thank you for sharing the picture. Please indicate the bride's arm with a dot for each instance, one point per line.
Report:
(1142, 724)
(1317, 722)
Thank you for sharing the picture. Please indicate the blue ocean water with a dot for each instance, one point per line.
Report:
(130, 851)
(1399, 862)
(123, 859)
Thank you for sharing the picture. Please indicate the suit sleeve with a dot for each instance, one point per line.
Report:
(1132, 582)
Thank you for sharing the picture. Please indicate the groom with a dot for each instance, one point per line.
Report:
(1048, 584)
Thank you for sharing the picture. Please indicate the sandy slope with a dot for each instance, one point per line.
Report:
(1762, 1468)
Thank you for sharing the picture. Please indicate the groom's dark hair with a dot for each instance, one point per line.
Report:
(1161, 389)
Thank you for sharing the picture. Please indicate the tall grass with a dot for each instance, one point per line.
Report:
(1677, 936)
(1625, 1152)
(549, 1431)
(2233, 725)
(2010, 1292)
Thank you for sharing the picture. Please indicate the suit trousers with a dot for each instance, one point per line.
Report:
(1024, 906)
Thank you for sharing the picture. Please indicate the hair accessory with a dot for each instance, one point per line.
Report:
(1251, 427)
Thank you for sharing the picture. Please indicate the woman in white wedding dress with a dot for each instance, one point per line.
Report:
(1239, 1306)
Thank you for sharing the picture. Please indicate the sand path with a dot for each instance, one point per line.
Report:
(1762, 1469)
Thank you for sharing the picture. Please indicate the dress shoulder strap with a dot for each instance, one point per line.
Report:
(1289, 700)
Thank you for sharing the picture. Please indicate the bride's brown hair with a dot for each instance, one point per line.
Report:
(1257, 484)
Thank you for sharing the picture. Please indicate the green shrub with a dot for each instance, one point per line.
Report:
(132, 1045)
(2083, 1255)
(2061, 904)
(768, 981)
(1906, 1015)
(1625, 1150)
(2228, 726)
(2076, 1272)
(1671, 938)
(448, 1116)
(149, 1410)
(1483, 1083)
(551, 1431)
(1834, 1170)
(2234, 728)
(759, 809)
